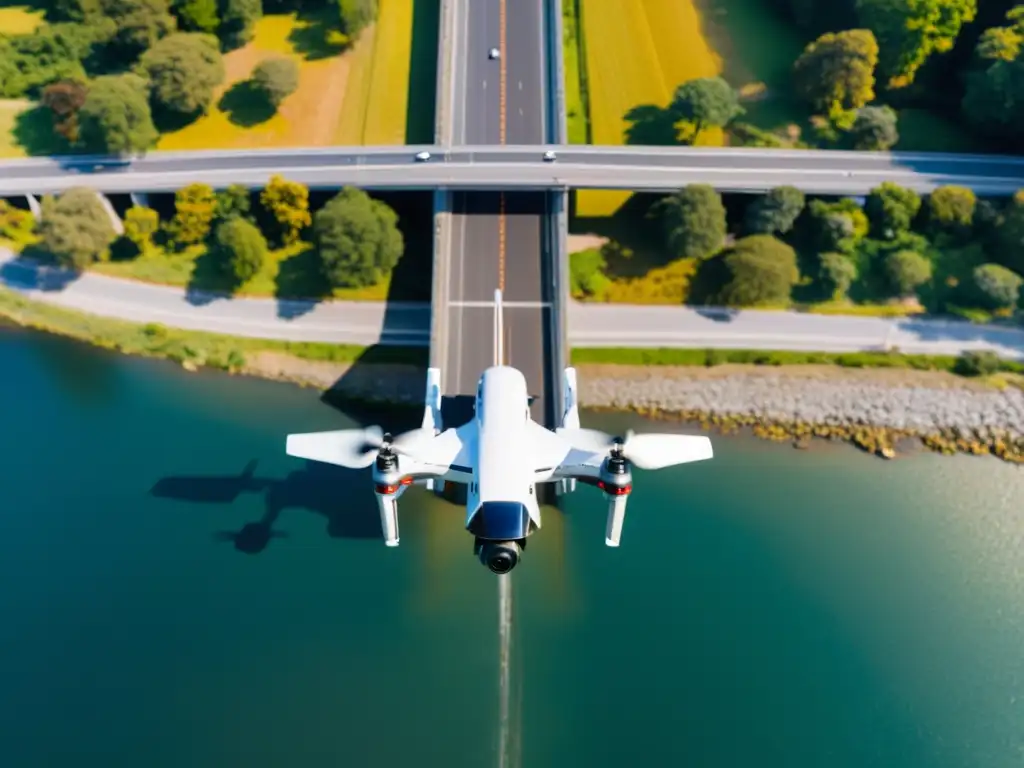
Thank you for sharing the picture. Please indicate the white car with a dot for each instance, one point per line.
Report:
(549, 156)
(422, 157)
(494, 53)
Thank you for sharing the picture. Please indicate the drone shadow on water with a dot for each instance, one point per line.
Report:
(318, 488)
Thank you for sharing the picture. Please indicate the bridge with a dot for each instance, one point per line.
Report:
(520, 165)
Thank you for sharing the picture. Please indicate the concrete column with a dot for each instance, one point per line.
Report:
(34, 206)
(140, 199)
(115, 220)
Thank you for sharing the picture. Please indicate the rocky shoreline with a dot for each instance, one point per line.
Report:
(883, 411)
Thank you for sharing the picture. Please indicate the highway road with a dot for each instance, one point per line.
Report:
(519, 165)
(590, 325)
(496, 237)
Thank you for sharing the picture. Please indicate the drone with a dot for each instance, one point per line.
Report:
(500, 455)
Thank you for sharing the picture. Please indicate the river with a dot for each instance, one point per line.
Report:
(178, 592)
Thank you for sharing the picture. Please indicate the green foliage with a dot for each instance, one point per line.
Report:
(139, 23)
(241, 248)
(978, 364)
(237, 21)
(993, 100)
(183, 69)
(356, 15)
(694, 221)
(706, 102)
(951, 212)
(197, 15)
(64, 98)
(235, 200)
(761, 270)
(357, 238)
(140, 226)
(288, 202)
(73, 10)
(891, 209)
(15, 224)
(875, 129)
(907, 270)
(587, 273)
(194, 209)
(1009, 235)
(836, 272)
(999, 288)
(835, 73)
(775, 211)
(115, 118)
(909, 31)
(28, 63)
(836, 226)
(276, 79)
(75, 227)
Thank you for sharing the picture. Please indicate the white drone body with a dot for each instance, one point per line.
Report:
(500, 456)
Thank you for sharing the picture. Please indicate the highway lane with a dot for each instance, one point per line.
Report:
(529, 174)
(496, 235)
(590, 325)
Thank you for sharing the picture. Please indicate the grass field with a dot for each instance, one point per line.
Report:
(19, 19)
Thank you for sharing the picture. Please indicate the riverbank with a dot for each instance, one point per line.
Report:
(882, 410)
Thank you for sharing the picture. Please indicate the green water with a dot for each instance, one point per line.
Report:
(768, 608)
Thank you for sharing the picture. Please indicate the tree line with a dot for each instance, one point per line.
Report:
(356, 237)
(891, 245)
(112, 72)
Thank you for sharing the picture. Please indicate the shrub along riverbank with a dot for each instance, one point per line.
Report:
(877, 401)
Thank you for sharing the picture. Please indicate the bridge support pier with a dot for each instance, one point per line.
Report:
(140, 199)
(115, 220)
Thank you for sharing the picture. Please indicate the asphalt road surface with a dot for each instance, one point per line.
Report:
(590, 325)
(497, 236)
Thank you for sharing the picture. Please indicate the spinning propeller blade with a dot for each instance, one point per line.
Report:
(353, 448)
(647, 451)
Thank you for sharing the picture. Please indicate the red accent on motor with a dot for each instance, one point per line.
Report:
(406, 481)
(614, 490)
(387, 490)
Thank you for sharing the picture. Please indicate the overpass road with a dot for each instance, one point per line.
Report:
(496, 236)
(519, 165)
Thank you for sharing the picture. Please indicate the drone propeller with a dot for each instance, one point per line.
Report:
(647, 451)
(353, 448)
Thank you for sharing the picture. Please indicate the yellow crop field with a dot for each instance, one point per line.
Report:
(637, 53)
(389, 80)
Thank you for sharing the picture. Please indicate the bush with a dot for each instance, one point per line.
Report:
(762, 270)
(891, 209)
(836, 271)
(140, 225)
(694, 221)
(241, 249)
(195, 207)
(977, 364)
(276, 79)
(951, 211)
(774, 212)
(998, 287)
(874, 129)
(586, 273)
(76, 228)
(907, 270)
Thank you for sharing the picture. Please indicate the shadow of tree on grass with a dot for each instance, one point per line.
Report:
(245, 105)
(651, 125)
(300, 284)
(33, 132)
(317, 36)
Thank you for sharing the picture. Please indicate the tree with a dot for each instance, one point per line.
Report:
(237, 21)
(762, 270)
(706, 102)
(993, 101)
(194, 210)
(998, 287)
(115, 117)
(356, 15)
(198, 15)
(836, 72)
(1009, 234)
(909, 31)
(874, 129)
(357, 238)
(951, 211)
(64, 98)
(184, 69)
(1002, 43)
(276, 79)
(76, 228)
(233, 201)
(140, 225)
(288, 202)
(241, 248)
(907, 270)
(775, 211)
(139, 24)
(694, 221)
(73, 10)
(836, 271)
(586, 273)
(836, 226)
(891, 209)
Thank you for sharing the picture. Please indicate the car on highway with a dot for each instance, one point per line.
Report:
(549, 156)
(494, 53)
(422, 157)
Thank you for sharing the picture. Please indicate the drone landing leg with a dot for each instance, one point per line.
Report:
(388, 506)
